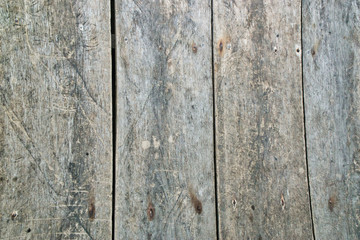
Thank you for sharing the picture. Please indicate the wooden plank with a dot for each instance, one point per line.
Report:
(331, 33)
(261, 164)
(164, 167)
(55, 120)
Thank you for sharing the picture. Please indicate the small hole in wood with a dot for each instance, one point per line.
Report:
(28, 230)
(282, 201)
(14, 215)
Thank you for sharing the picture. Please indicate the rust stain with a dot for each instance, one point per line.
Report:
(150, 211)
(314, 49)
(331, 203)
(216, 67)
(221, 46)
(195, 202)
(194, 48)
(313, 52)
(222, 43)
(91, 207)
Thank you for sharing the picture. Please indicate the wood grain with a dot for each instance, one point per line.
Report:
(331, 33)
(55, 120)
(164, 174)
(261, 164)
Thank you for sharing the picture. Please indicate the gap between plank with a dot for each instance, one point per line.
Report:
(304, 119)
(114, 110)
(214, 120)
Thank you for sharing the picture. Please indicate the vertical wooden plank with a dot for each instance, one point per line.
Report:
(331, 33)
(55, 120)
(164, 172)
(261, 165)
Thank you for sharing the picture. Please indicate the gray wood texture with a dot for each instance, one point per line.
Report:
(261, 163)
(164, 163)
(55, 120)
(331, 38)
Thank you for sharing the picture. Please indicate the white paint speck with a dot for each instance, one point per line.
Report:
(301, 170)
(156, 143)
(145, 145)
(171, 140)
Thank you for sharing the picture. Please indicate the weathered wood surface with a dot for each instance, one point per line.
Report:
(164, 167)
(331, 38)
(261, 164)
(55, 120)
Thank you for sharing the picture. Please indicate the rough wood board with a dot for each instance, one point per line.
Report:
(261, 164)
(331, 33)
(55, 120)
(164, 169)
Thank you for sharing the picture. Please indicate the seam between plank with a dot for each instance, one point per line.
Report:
(114, 110)
(214, 120)
(304, 120)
